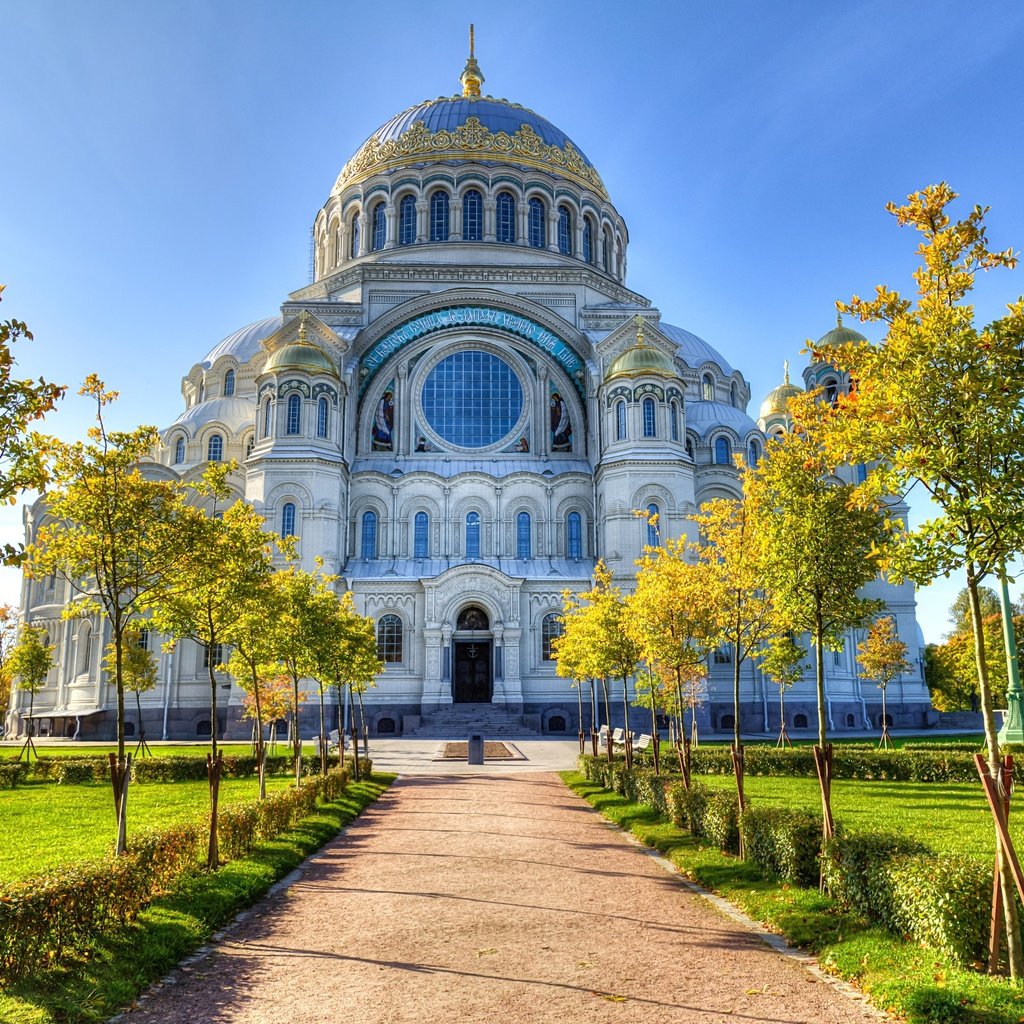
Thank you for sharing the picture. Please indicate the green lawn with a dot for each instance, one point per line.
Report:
(10, 750)
(951, 817)
(45, 825)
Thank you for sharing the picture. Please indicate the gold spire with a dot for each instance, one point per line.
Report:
(472, 77)
(839, 319)
(785, 371)
(639, 330)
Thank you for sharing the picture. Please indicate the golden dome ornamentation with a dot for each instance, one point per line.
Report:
(639, 360)
(300, 354)
(777, 401)
(839, 335)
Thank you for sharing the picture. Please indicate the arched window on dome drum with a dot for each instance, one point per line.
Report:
(606, 252)
(267, 409)
(288, 519)
(707, 388)
(505, 216)
(323, 417)
(723, 451)
(353, 250)
(407, 221)
(421, 536)
(620, 421)
(215, 448)
(389, 639)
(179, 450)
(249, 445)
(734, 395)
(831, 391)
(649, 422)
(574, 535)
(753, 453)
(229, 383)
(368, 547)
(380, 226)
(674, 420)
(473, 216)
(689, 448)
(85, 649)
(293, 420)
(564, 230)
(653, 525)
(439, 216)
(536, 224)
(550, 629)
(588, 240)
(523, 531)
(473, 535)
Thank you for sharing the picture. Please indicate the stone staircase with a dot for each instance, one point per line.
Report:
(457, 721)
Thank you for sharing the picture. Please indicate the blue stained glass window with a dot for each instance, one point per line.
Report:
(564, 230)
(421, 536)
(473, 535)
(369, 538)
(472, 399)
(322, 417)
(723, 452)
(439, 216)
(407, 221)
(288, 520)
(266, 418)
(537, 224)
(473, 216)
(862, 472)
(620, 421)
(294, 414)
(229, 383)
(354, 249)
(674, 416)
(588, 240)
(215, 448)
(551, 628)
(505, 214)
(380, 226)
(523, 545)
(179, 450)
(606, 253)
(754, 453)
(653, 529)
(649, 424)
(389, 639)
(574, 535)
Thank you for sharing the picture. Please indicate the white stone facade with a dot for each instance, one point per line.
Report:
(440, 416)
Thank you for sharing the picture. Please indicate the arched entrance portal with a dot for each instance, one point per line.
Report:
(473, 679)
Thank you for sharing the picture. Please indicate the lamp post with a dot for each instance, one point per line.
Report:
(1013, 724)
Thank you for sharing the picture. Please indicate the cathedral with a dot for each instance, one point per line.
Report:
(459, 415)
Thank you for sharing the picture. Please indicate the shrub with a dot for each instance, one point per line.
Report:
(720, 823)
(13, 773)
(647, 788)
(783, 843)
(73, 773)
(688, 806)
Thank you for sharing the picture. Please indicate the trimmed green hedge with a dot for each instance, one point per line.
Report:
(13, 773)
(42, 917)
(938, 900)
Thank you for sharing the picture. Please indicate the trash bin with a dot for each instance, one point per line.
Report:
(476, 748)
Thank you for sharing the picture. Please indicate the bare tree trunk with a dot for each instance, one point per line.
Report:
(607, 716)
(323, 732)
(1014, 953)
(296, 737)
(628, 738)
(261, 753)
(214, 763)
(354, 733)
(362, 726)
(737, 741)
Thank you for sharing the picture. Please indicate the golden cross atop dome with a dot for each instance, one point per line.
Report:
(839, 319)
(785, 371)
(472, 77)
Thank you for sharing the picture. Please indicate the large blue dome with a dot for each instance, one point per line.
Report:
(477, 128)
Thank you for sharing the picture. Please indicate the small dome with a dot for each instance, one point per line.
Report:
(245, 342)
(300, 355)
(777, 401)
(703, 417)
(640, 360)
(839, 335)
(233, 412)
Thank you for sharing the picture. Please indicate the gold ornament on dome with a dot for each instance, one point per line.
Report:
(471, 139)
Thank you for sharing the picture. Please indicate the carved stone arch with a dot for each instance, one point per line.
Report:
(533, 185)
(434, 179)
(523, 503)
(268, 387)
(470, 180)
(661, 496)
(325, 389)
(288, 490)
(418, 502)
(462, 506)
(503, 182)
(573, 503)
(719, 489)
(293, 384)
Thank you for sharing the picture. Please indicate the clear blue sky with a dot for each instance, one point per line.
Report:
(163, 162)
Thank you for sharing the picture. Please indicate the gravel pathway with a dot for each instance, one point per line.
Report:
(498, 898)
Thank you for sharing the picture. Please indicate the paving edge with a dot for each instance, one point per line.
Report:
(730, 910)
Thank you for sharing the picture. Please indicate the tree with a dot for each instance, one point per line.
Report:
(949, 689)
(138, 669)
(115, 536)
(575, 652)
(821, 547)
(9, 623)
(782, 661)
(228, 558)
(960, 609)
(22, 402)
(671, 616)
(357, 664)
(29, 662)
(883, 656)
(940, 403)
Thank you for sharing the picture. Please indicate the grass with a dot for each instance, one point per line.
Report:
(45, 825)
(948, 817)
(9, 749)
(116, 968)
(911, 981)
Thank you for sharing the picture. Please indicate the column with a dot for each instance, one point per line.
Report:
(521, 210)
(364, 232)
(490, 231)
(421, 220)
(391, 225)
(543, 417)
(553, 229)
(455, 212)
(400, 432)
